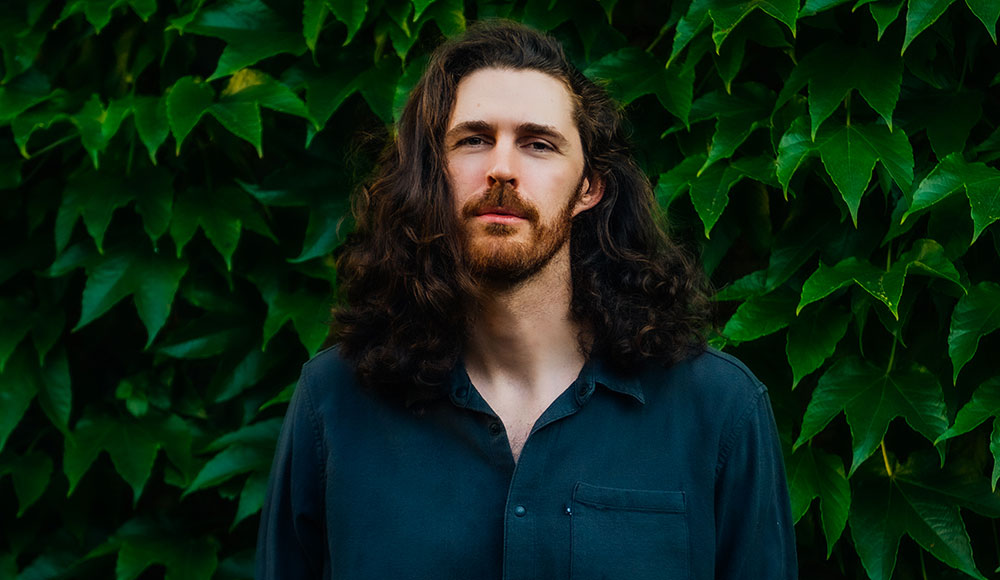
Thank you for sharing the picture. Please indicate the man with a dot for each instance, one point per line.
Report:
(521, 388)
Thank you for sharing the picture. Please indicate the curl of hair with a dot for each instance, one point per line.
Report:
(403, 288)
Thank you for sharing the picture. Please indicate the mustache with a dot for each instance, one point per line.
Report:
(500, 196)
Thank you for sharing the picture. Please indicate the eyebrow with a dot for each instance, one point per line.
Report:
(478, 126)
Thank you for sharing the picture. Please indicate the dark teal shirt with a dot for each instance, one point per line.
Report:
(672, 473)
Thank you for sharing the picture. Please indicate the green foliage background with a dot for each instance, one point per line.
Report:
(175, 175)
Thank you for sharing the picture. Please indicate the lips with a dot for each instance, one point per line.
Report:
(500, 211)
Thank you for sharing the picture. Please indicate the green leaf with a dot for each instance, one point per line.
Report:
(885, 13)
(833, 70)
(19, 383)
(980, 182)
(187, 100)
(920, 14)
(242, 120)
(252, 497)
(929, 257)
(976, 314)
(17, 324)
(239, 372)
(131, 445)
(795, 147)
(726, 14)
(314, 14)
(205, 338)
(813, 337)
(153, 190)
(152, 279)
(738, 115)
(995, 450)
(887, 287)
(252, 31)
(948, 116)
(988, 12)
(309, 313)
(24, 92)
(95, 196)
(633, 73)
(98, 125)
(220, 215)
(985, 403)
(814, 473)
(761, 315)
(184, 557)
(924, 503)
(143, 8)
(378, 86)
(813, 7)
(849, 154)
(328, 88)
(56, 392)
(871, 398)
(150, 114)
(31, 474)
(238, 108)
(351, 13)
(230, 462)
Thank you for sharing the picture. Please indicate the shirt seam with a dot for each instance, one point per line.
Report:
(318, 444)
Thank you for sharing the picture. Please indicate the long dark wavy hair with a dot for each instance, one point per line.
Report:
(404, 292)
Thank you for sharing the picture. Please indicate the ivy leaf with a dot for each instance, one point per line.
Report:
(153, 191)
(314, 14)
(22, 93)
(761, 315)
(220, 216)
(948, 117)
(19, 383)
(97, 12)
(31, 474)
(976, 314)
(238, 108)
(924, 503)
(230, 462)
(187, 100)
(633, 72)
(980, 182)
(308, 312)
(929, 257)
(988, 12)
(205, 337)
(252, 31)
(55, 392)
(18, 322)
(252, 497)
(141, 545)
(727, 14)
(351, 13)
(95, 196)
(813, 337)
(833, 70)
(737, 116)
(920, 14)
(378, 86)
(150, 115)
(815, 473)
(130, 444)
(152, 279)
(985, 403)
(871, 398)
(886, 287)
(849, 154)
(885, 13)
(98, 125)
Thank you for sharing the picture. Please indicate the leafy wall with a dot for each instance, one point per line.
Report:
(175, 175)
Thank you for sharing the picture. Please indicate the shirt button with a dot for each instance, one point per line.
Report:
(495, 429)
(519, 511)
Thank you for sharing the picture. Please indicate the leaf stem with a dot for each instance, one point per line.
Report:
(659, 37)
(847, 106)
(923, 568)
(892, 355)
(885, 458)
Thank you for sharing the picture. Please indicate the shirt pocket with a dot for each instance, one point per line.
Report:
(628, 534)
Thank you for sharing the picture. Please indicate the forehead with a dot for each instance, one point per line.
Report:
(506, 96)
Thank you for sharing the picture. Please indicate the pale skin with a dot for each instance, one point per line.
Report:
(517, 126)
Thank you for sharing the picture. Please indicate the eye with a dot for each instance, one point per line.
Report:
(472, 141)
(540, 146)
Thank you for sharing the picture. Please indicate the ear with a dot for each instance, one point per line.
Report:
(591, 192)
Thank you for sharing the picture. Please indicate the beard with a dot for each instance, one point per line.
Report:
(493, 255)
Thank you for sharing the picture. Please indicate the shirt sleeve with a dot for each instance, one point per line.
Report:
(754, 532)
(291, 541)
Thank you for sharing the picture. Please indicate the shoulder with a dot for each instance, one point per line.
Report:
(711, 382)
(328, 379)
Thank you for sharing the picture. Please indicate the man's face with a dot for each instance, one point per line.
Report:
(515, 168)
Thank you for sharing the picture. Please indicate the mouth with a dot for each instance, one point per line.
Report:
(500, 212)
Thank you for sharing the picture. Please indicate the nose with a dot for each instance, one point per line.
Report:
(503, 165)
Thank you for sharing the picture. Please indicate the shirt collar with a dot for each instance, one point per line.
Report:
(595, 372)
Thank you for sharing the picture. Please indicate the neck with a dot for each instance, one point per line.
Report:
(522, 338)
